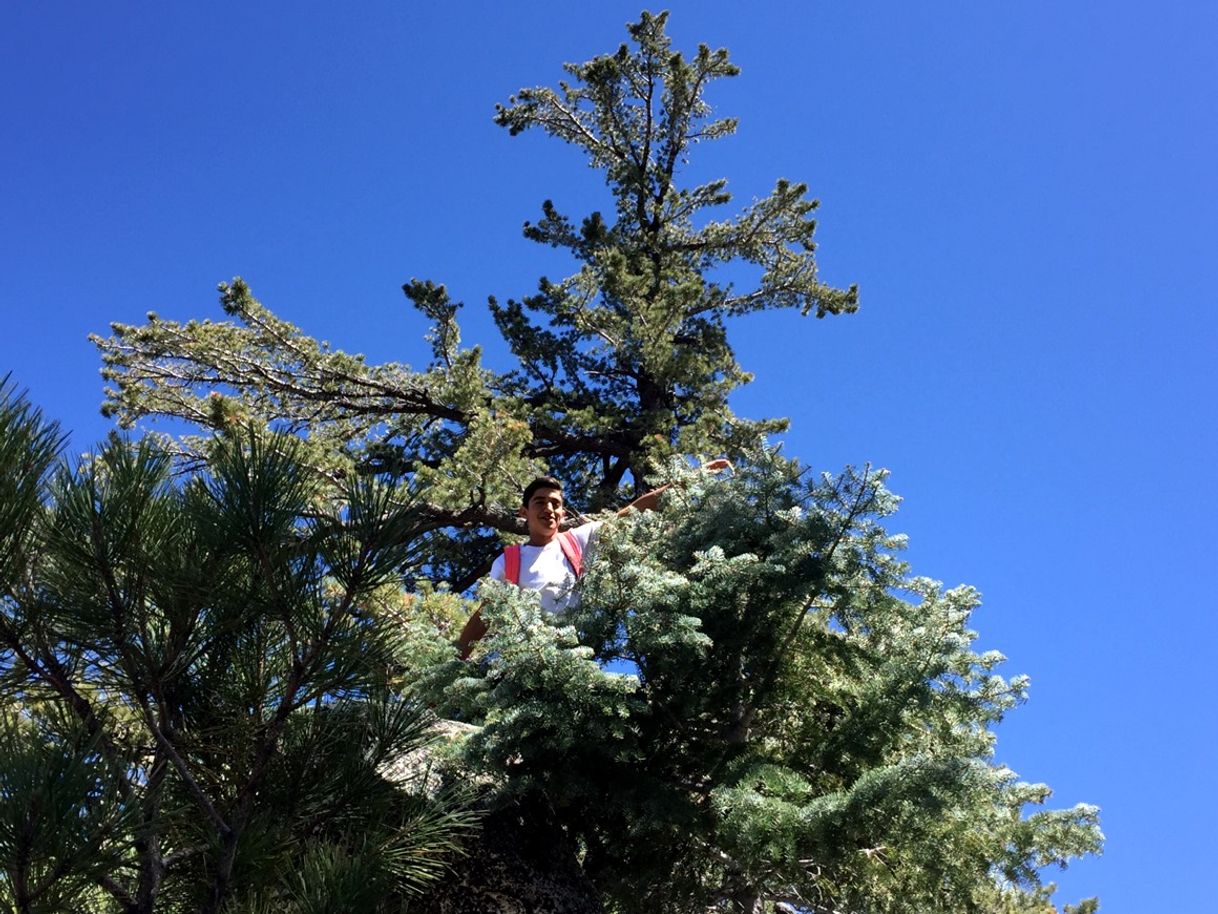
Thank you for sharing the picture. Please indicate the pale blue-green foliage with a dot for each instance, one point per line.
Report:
(808, 721)
(543, 694)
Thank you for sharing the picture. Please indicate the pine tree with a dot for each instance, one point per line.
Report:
(631, 366)
(809, 728)
(633, 362)
(199, 706)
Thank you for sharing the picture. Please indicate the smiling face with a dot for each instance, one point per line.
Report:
(543, 513)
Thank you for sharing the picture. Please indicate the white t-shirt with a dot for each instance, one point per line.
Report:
(546, 570)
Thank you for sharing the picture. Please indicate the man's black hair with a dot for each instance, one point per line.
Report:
(541, 482)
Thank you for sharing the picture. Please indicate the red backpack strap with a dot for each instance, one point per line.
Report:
(572, 550)
(511, 564)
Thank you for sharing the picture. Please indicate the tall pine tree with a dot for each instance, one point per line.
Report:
(197, 676)
(629, 364)
(808, 727)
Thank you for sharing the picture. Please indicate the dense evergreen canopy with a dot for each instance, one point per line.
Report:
(199, 697)
(219, 648)
(624, 363)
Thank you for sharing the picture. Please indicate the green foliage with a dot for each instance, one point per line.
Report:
(198, 682)
(349, 418)
(634, 348)
(625, 363)
(809, 728)
(63, 824)
(808, 725)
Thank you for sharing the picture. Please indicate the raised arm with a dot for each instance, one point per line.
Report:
(649, 500)
(476, 628)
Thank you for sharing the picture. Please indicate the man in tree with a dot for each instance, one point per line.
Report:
(551, 560)
(811, 727)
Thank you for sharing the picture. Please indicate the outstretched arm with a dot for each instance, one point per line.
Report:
(475, 629)
(650, 500)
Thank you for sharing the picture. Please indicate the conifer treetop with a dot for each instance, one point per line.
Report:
(621, 365)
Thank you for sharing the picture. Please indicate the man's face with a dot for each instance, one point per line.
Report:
(543, 514)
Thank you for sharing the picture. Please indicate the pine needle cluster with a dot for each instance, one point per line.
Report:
(198, 695)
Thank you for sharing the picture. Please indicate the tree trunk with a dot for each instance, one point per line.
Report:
(521, 864)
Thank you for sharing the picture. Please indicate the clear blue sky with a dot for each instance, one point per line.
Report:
(1025, 193)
